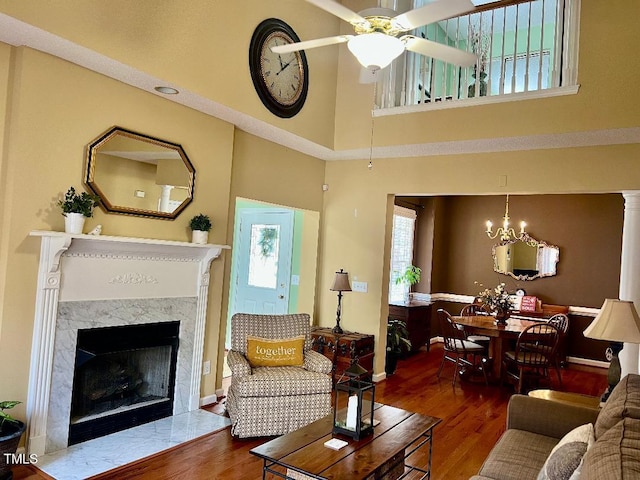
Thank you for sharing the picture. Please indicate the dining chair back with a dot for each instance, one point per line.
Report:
(457, 348)
(534, 353)
(476, 309)
(561, 322)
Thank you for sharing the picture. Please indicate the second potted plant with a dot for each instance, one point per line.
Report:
(398, 344)
(10, 432)
(76, 207)
(410, 276)
(200, 226)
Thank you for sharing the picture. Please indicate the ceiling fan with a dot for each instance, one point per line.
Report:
(376, 42)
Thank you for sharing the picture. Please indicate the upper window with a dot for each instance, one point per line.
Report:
(522, 47)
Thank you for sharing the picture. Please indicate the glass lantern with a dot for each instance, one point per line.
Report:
(353, 402)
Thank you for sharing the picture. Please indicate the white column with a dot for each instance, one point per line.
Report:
(630, 273)
(165, 197)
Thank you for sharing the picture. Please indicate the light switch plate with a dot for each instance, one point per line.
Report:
(359, 287)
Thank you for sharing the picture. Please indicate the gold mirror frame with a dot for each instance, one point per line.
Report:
(123, 167)
(525, 259)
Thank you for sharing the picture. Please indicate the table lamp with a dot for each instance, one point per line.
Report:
(340, 284)
(618, 322)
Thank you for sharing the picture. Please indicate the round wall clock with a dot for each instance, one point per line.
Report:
(281, 80)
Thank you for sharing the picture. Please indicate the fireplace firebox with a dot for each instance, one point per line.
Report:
(124, 376)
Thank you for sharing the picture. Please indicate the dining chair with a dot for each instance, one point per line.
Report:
(534, 353)
(561, 322)
(458, 349)
(476, 309)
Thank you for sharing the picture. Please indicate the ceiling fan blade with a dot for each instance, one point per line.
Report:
(318, 42)
(438, 50)
(432, 12)
(339, 11)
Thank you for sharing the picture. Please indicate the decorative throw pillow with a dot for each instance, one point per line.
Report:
(268, 352)
(564, 461)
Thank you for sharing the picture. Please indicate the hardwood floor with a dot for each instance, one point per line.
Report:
(473, 419)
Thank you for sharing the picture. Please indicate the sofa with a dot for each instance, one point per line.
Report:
(551, 440)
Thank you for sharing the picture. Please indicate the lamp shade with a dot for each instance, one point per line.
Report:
(618, 321)
(375, 50)
(341, 282)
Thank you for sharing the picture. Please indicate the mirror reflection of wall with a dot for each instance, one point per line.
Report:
(525, 261)
(139, 175)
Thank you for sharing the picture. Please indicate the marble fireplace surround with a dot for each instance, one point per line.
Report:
(87, 281)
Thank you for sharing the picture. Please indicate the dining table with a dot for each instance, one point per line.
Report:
(499, 335)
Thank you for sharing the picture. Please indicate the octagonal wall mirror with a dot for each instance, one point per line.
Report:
(526, 259)
(135, 174)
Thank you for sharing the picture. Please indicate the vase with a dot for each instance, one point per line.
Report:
(74, 222)
(9, 440)
(199, 236)
(481, 82)
(502, 316)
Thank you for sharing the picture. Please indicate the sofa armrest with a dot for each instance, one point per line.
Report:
(238, 364)
(316, 362)
(546, 417)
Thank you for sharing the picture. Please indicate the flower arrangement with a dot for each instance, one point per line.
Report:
(497, 298)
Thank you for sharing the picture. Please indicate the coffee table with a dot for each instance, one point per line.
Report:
(301, 454)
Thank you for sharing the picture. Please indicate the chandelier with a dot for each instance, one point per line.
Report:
(506, 233)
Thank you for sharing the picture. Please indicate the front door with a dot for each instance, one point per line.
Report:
(262, 255)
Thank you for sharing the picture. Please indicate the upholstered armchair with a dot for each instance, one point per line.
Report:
(274, 400)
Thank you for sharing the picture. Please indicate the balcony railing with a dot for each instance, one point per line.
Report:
(522, 48)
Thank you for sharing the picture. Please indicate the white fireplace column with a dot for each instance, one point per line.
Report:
(630, 273)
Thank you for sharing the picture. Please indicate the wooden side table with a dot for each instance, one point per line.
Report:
(417, 316)
(567, 398)
(343, 349)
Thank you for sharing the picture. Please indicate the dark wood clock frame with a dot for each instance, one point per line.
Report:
(260, 35)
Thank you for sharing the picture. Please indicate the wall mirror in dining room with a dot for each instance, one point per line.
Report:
(136, 174)
(526, 259)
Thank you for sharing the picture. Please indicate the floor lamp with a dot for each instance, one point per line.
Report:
(618, 322)
(340, 284)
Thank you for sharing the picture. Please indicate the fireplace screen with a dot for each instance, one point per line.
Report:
(124, 376)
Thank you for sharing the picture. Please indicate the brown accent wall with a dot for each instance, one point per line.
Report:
(586, 228)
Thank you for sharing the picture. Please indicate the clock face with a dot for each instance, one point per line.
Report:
(281, 80)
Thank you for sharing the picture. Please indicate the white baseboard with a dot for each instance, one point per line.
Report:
(208, 400)
(378, 377)
(588, 362)
(220, 392)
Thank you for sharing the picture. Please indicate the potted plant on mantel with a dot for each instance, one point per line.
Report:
(10, 432)
(411, 276)
(200, 226)
(76, 208)
(398, 344)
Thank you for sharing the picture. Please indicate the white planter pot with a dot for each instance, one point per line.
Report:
(74, 222)
(200, 237)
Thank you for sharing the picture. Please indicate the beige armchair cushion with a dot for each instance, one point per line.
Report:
(624, 401)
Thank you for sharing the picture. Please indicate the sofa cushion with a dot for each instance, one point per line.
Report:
(272, 352)
(282, 381)
(624, 401)
(518, 455)
(566, 456)
(616, 454)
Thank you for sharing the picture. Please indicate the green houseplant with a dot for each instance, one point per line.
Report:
(410, 276)
(200, 226)
(10, 432)
(76, 207)
(398, 344)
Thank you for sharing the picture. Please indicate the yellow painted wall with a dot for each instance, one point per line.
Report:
(199, 45)
(270, 173)
(358, 205)
(55, 110)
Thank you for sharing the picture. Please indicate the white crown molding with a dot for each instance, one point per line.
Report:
(18, 33)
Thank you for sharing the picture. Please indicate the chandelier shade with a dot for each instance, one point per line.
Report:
(375, 50)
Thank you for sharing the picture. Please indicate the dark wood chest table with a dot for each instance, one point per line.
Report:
(302, 455)
(417, 316)
(343, 349)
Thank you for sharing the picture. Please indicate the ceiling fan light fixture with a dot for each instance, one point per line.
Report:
(375, 50)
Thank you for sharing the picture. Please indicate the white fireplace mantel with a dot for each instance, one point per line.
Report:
(98, 268)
